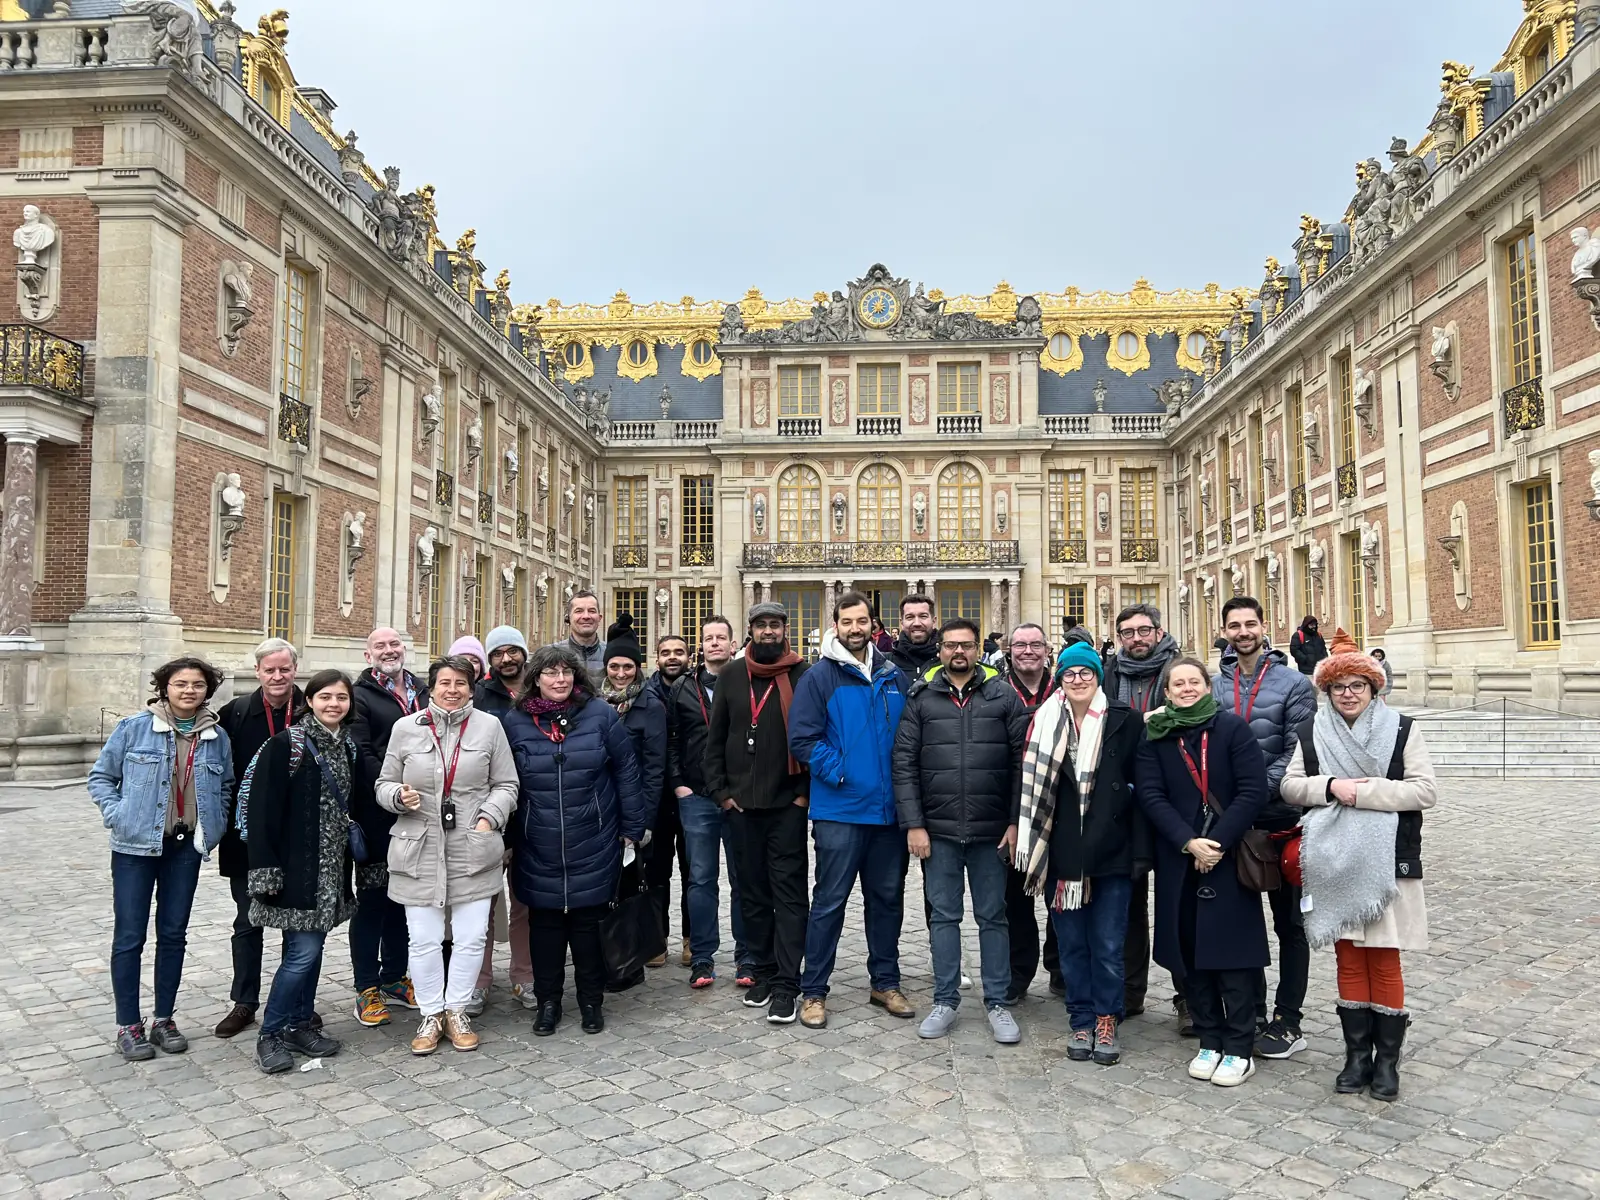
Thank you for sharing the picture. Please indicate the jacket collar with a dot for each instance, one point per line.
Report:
(1229, 664)
(207, 727)
(834, 651)
(258, 701)
(937, 677)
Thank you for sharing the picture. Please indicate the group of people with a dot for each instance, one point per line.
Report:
(403, 804)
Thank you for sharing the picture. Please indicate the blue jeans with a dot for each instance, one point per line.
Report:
(877, 854)
(171, 877)
(294, 987)
(1091, 940)
(946, 872)
(707, 833)
(378, 930)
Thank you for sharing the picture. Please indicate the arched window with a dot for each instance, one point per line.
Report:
(574, 354)
(878, 505)
(799, 505)
(960, 504)
(638, 353)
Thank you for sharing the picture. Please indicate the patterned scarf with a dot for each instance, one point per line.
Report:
(1050, 750)
(622, 699)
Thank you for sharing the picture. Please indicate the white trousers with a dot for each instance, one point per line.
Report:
(469, 927)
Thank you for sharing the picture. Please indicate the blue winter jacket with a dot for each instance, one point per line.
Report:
(578, 798)
(1284, 701)
(132, 784)
(842, 726)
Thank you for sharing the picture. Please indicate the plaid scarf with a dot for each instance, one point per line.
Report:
(1050, 750)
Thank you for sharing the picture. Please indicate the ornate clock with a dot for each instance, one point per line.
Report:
(878, 308)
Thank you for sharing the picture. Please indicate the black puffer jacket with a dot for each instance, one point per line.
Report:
(958, 767)
(1308, 648)
(1284, 700)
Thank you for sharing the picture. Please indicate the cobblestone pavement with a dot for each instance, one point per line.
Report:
(691, 1094)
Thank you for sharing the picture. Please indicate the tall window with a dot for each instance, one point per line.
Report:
(1263, 594)
(1136, 494)
(296, 293)
(1302, 574)
(799, 391)
(482, 593)
(878, 505)
(280, 569)
(878, 389)
(960, 504)
(633, 510)
(488, 460)
(436, 642)
(1066, 504)
(1543, 607)
(1295, 436)
(1258, 455)
(1224, 473)
(1057, 622)
(1141, 593)
(1344, 380)
(636, 603)
(1358, 589)
(1522, 308)
(799, 505)
(524, 463)
(1077, 604)
(699, 511)
(961, 602)
(805, 618)
(958, 387)
(694, 606)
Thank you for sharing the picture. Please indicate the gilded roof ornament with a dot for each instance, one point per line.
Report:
(1455, 74)
(753, 304)
(467, 243)
(1310, 227)
(502, 282)
(620, 307)
(275, 27)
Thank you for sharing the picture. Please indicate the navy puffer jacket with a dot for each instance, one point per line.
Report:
(1284, 702)
(578, 798)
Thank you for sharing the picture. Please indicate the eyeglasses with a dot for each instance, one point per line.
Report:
(1077, 675)
(1349, 689)
(1141, 631)
(556, 673)
(1029, 646)
(958, 645)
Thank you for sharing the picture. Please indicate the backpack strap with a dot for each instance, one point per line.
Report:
(1397, 762)
(1308, 748)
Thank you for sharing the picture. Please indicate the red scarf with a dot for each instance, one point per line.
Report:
(778, 671)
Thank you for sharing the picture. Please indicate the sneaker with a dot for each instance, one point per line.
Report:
(458, 1028)
(1106, 1050)
(240, 1017)
(302, 1039)
(783, 1008)
(272, 1056)
(745, 978)
(428, 1035)
(522, 993)
(164, 1036)
(1233, 1070)
(1204, 1065)
(133, 1044)
(477, 1002)
(759, 995)
(370, 1008)
(702, 975)
(1080, 1044)
(1279, 1039)
(813, 1012)
(400, 993)
(966, 982)
(938, 1022)
(893, 1001)
(1004, 1026)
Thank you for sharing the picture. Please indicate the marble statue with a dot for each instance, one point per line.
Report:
(358, 530)
(1594, 473)
(1029, 318)
(1439, 347)
(663, 598)
(474, 438)
(1274, 566)
(568, 498)
(1311, 432)
(425, 549)
(237, 294)
(1361, 386)
(1002, 511)
(230, 519)
(355, 534)
(919, 512)
(758, 513)
(513, 466)
(1408, 175)
(1316, 557)
(432, 410)
(1236, 573)
(666, 403)
(1100, 395)
(508, 581)
(1183, 596)
(1102, 509)
(544, 485)
(1369, 544)
(1208, 585)
(1205, 494)
(566, 593)
(732, 329)
(838, 514)
(1587, 254)
(541, 588)
(33, 237)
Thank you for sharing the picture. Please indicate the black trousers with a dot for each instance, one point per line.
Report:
(551, 933)
(247, 943)
(1294, 958)
(668, 842)
(1221, 1003)
(773, 872)
(1022, 919)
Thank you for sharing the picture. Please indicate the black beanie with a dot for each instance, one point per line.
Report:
(621, 641)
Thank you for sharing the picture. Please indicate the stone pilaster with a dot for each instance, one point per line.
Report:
(16, 543)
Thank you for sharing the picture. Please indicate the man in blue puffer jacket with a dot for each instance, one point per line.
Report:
(842, 725)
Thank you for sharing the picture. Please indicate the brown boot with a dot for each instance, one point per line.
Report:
(427, 1039)
(813, 1012)
(240, 1017)
(894, 1002)
(458, 1028)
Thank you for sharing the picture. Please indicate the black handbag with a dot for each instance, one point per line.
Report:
(630, 933)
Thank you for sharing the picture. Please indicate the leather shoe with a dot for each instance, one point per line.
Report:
(549, 1017)
(240, 1017)
(894, 1002)
(593, 1019)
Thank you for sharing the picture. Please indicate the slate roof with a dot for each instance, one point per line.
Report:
(640, 400)
(1074, 392)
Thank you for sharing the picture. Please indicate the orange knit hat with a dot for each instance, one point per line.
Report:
(1346, 658)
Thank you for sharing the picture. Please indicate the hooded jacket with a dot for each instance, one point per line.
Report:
(842, 726)
(958, 766)
(1308, 647)
(1284, 700)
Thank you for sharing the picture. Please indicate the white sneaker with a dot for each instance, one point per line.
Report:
(1204, 1065)
(938, 1021)
(524, 996)
(966, 982)
(1233, 1071)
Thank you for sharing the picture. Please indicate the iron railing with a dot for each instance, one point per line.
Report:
(485, 508)
(1140, 550)
(630, 556)
(1258, 516)
(697, 555)
(759, 555)
(444, 489)
(1069, 550)
(522, 526)
(1297, 500)
(294, 421)
(1347, 481)
(30, 357)
(1523, 406)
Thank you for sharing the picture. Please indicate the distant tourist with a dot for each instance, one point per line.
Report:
(1307, 646)
(1388, 671)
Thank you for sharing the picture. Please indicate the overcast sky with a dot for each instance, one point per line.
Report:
(673, 147)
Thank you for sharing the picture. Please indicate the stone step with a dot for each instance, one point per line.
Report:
(1454, 771)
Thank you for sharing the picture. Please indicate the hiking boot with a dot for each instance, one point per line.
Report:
(814, 1012)
(938, 1022)
(1233, 1070)
(687, 957)
(428, 1033)
(1004, 1026)
(313, 1043)
(1357, 1073)
(1388, 1036)
(401, 993)
(164, 1036)
(702, 975)
(240, 1017)
(782, 1009)
(547, 1020)
(1185, 1024)
(1106, 1050)
(370, 1008)
(1279, 1039)
(477, 1002)
(594, 1020)
(1080, 1044)
(893, 1001)
(135, 1047)
(458, 1028)
(272, 1056)
(759, 995)
(1204, 1065)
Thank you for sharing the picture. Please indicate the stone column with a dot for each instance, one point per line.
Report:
(16, 542)
(830, 593)
(997, 601)
(749, 598)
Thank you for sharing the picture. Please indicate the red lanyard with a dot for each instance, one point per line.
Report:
(1201, 777)
(700, 695)
(187, 780)
(272, 730)
(755, 709)
(1044, 691)
(555, 733)
(1250, 703)
(455, 759)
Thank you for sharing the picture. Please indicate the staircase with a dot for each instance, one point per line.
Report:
(1510, 741)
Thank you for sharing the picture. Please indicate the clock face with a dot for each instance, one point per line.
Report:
(879, 308)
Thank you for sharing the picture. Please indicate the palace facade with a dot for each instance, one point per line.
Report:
(249, 389)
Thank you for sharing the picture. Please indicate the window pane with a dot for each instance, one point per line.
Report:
(958, 387)
(799, 505)
(636, 603)
(960, 504)
(878, 505)
(294, 332)
(1523, 308)
(1543, 597)
(280, 582)
(699, 516)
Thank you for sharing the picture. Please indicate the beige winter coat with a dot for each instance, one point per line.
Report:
(428, 866)
(1404, 924)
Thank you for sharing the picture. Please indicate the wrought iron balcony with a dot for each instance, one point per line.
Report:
(444, 489)
(1258, 516)
(486, 508)
(1297, 500)
(1523, 406)
(630, 556)
(1069, 550)
(30, 357)
(1141, 550)
(877, 426)
(764, 555)
(959, 423)
(698, 555)
(799, 427)
(1347, 481)
(294, 421)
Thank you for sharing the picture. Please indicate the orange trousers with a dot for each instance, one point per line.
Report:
(1370, 975)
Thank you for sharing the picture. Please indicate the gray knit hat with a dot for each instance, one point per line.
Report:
(504, 635)
(768, 608)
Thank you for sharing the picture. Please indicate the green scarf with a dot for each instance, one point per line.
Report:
(1168, 720)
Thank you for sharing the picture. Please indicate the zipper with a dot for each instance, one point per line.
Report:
(561, 815)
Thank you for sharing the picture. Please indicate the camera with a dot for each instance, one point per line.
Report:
(447, 814)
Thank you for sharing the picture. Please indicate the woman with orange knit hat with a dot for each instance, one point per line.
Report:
(1362, 772)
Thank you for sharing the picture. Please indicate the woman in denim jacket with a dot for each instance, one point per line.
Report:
(160, 784)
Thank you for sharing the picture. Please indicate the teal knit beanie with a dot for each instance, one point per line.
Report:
(1080, 655)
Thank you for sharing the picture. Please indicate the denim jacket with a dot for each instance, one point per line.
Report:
(132, 784)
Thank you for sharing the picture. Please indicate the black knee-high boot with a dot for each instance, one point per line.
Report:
(1388, 1035)
(1357, 1073)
